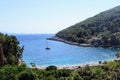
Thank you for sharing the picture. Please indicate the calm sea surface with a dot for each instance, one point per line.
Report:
(60, 53)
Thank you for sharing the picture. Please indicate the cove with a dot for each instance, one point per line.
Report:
(60, 54)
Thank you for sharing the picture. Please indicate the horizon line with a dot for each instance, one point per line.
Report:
(10, 33)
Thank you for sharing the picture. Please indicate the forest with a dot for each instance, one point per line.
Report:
(103, 27)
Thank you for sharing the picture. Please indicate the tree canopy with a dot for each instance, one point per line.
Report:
(10, 51)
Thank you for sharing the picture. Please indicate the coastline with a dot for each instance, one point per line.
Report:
(71, 67)
(76, 66)
(54, 38)
(69, 42)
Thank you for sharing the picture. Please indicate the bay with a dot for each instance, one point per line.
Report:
(60, 54)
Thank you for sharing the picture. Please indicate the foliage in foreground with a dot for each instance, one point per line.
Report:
(108, 71)
(10, 51)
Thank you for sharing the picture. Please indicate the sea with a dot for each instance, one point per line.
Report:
(60, 54)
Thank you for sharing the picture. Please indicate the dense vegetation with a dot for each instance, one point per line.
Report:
(104, 27)
(10, 51)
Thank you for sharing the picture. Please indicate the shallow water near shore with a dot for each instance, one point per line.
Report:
(60, 54)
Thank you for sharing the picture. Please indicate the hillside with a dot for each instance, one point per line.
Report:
(100, 30)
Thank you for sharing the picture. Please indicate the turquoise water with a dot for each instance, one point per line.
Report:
(60, 53)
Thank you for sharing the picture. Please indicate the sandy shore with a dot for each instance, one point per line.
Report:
(71, 67)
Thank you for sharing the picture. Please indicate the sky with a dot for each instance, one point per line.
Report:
(48, 16)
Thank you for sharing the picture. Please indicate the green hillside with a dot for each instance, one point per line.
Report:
(103, 28)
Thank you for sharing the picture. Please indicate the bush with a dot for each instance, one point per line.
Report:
(26, 75)
(8, 72)
(77, 77)
(51, 68)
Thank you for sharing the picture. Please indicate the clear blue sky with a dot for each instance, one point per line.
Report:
(48, 16)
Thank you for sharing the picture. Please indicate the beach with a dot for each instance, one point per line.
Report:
(71, 67)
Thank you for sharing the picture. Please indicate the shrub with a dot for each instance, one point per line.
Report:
(51, 68)
(26, 75)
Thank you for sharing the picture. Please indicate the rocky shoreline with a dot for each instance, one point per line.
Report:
(69, 42)
(83, 45)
